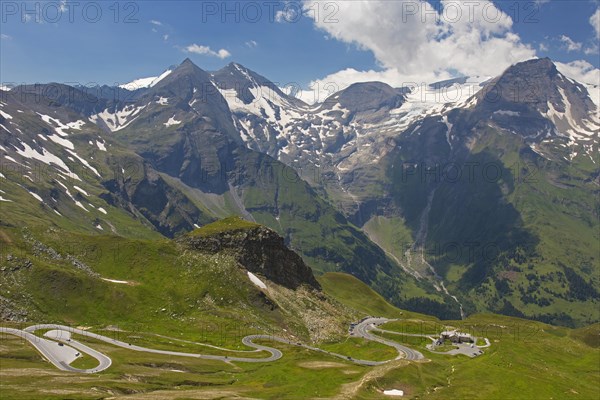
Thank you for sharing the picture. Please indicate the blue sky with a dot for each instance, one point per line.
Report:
(143, 38)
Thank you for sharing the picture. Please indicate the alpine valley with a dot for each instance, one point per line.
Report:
(153, 210)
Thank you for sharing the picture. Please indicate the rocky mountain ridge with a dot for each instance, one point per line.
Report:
(333, 179)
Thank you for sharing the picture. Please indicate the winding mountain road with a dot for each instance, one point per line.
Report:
(60, 356)
(65, 337)
(363, 329)
(248, 341)
(61, 349)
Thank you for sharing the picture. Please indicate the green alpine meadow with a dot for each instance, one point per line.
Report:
(403, 202)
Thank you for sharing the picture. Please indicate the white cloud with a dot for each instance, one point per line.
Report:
(413, 41)
(223, 54)
(155, 22)
(595, 22)
(543, 47)
(580, 70)
(5, 36)
(322, 88)
(165, 37)
(205, 50)
(591, 50)
(252, 44)
(291, 13)
(570, 44)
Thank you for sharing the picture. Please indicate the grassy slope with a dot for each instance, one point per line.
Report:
(354, 293)
(527, 360)
(168, 285)
(225, 225)
(389, 233)
(556, 204)
(540, 214)
(301, 374)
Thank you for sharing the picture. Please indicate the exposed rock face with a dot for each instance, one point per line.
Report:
(368, 97)
(545, 101)
(11, 312)
(260, 250)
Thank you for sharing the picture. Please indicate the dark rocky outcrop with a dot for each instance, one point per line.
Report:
(259, 250)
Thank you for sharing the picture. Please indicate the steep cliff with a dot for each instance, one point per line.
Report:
(257, 248)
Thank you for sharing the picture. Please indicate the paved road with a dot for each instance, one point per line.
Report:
(275, 354)
(248, 341)
(62, 356)
(65, 337)
(363, 329)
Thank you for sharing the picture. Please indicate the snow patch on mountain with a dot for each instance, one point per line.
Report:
(77, 203)
(46, 157)
(594, 93)
(448, 130)
(506, 112)
(117, 120)
(260, 106)
(36, 196)
(428, 100)
(85, 163)
(80, 190)
(256, 280)
(63, 142)
(59, 127)
(567, 123)
(172, 121)
(143, 83)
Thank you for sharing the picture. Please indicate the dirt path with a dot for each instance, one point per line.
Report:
(350, 390)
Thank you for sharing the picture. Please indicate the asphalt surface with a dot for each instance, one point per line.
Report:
(62, 356)
(59, 356)
(65, 337)
(248, 341)
(363, 329)
(275, 354)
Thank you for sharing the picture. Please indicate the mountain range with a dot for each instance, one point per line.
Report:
(478, 194)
